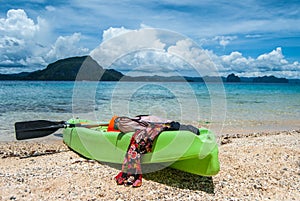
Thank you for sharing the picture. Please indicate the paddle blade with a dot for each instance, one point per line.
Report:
(34, 129)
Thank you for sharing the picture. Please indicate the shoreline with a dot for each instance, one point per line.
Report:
(220, 130)
(263, 166)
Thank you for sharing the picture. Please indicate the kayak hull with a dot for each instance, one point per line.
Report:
(181, 150)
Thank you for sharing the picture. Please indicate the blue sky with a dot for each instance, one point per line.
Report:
(249, 38)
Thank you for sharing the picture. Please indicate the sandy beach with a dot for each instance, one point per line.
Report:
(258, 166)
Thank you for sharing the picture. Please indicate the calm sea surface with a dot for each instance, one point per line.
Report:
(221, 107)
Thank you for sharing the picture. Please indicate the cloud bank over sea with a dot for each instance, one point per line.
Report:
(28, 44)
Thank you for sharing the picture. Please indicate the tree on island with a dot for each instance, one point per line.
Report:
(233, 78)
(270, 79)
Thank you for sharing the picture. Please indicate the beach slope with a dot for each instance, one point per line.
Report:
(264, 166)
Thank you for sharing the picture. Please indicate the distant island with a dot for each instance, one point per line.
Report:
(265, 79)
(68, 70)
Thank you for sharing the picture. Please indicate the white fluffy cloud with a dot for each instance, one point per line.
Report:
(17, 24)
(16, 34)
(146, 51)
(26, 45)
(66, 47)
(124, 42)
(198, 58)
(113, 32)
(224, 40)
(272, 63)
(149, 51)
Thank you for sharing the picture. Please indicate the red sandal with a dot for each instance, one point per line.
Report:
(134, 181)
(138, 181)
(120, 178)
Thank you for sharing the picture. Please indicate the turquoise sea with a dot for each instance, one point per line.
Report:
(223, 107)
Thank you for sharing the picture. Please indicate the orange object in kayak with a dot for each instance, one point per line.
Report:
(111, 125)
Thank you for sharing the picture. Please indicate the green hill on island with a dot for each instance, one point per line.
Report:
(69, 69)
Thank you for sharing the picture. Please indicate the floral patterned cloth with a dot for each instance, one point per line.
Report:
(141, 142)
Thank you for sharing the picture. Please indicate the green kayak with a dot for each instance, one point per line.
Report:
(182, 150)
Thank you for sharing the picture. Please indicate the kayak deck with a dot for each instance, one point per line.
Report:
(181, 150)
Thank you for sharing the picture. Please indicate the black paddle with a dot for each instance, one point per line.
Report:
(41, 128)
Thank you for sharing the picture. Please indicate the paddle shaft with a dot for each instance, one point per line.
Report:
(41, 128)
(85, 125)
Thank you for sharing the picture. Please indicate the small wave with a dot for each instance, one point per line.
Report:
(241, 102)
